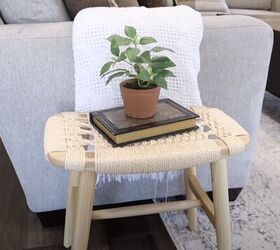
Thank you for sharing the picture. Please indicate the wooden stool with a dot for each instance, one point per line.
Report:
(82, 187)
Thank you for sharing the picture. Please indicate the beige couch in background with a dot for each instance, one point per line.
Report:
(254, 7)
(233, 7)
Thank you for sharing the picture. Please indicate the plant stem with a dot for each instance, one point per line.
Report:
(139, 84)
(145, 86)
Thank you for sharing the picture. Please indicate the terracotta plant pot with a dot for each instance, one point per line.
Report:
(139, 103)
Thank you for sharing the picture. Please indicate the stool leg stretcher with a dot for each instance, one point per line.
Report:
(200, 194)
(146, 209)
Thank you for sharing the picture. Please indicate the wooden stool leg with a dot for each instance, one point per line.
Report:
(192, 212)
(83, 214)
(69, 216)
(221, 203)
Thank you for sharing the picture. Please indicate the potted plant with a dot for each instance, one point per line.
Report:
(146, 71)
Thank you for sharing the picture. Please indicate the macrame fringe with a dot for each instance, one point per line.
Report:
(161, 176)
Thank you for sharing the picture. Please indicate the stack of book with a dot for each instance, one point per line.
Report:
(120, 130)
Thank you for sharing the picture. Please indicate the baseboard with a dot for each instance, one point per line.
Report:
(56, 218)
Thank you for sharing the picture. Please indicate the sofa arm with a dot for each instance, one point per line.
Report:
(235, 57)
(37, 81)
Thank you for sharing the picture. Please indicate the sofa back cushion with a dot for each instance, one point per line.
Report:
(74, 6)
(127, 3)
(250, 4)
(33, 11)
(206, 5)
(155, 3)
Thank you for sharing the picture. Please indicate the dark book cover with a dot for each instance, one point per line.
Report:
(117, 122)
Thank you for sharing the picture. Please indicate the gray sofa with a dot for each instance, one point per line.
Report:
(37, 81)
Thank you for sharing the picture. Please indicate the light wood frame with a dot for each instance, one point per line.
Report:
(82, 187)
(81, 195)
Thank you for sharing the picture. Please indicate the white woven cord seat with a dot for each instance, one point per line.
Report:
(67, 133)
(67, 140)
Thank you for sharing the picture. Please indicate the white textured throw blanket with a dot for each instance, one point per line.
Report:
(179, 28)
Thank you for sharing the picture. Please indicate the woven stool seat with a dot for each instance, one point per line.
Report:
(72, 143)
(67, 136)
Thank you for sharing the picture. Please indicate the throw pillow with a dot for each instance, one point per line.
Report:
(127, 3)
(205, 5)
(155, 3)
(253, 4)
(74, 6)
(33, 11)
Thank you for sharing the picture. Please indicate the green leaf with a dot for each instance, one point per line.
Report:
(146, 55)
(115, 48)
(165, 73)
(140, 59)
(132, 53)
(157, 70)
(138, 67)
(143, 75)
(105, 67)
(122, 57)
(121, 41)
(162, 62)
(130, 31)
(160, 81)
(132, 75)
(147, 40)
(114, 76)
(116, 70)
(159, 49)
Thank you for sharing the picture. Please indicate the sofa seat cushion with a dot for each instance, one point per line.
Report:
(250, 4)
(33, 11)
(249, 12)
(205, 5)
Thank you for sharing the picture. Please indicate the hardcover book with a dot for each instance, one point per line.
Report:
(119, 129)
